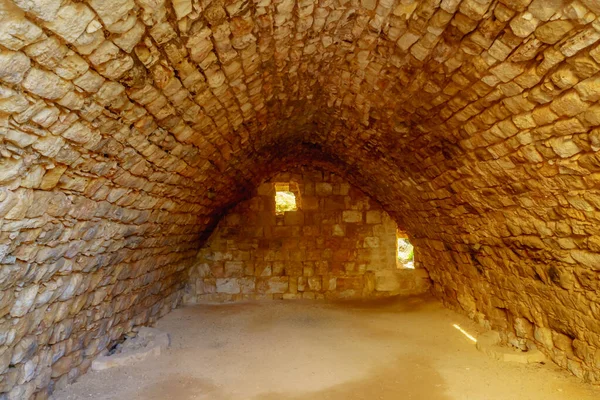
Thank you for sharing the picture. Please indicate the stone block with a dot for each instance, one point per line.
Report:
(24, 300)
(234, 268)
(334, 203)
(291, 231)
(349, 283)
(247, 285)
(371, 242)
(113, 11)
(273, 285)
(323, 189)
(315, 283)
(43, 9)
(148, 343)
(589, 89)
(301, 284)
(580, 41)
(46, 84)
(13, 66)
(387, 281)
(228, 285)
(292, 268)
(206, 286)
(71, 20)
(352, 216)
(553, 31)
(544, 336)
(310, 203)
(266, 189)
(338, 230)
(373, 217)
(293, 218)
(329, 283)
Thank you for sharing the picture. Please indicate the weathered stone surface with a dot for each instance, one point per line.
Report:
(46, 84)
(489, 343)
(553, 31)
(271, 255)
(13, 66)
(70, 21)
(352, 216)
(24, 301)
(474, 124)
(228, 286)
(148, 343)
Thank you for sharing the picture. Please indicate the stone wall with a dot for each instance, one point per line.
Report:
(126, 131)
(339, 243)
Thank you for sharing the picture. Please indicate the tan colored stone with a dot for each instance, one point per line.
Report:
(71, 21)
(129, 39)
(71, 67)
(323, 189)
(553, 31)
(569, 104)
(128, 129)
(51, 177)
(24, 300)
(589, 89)
(46, 84)
(545, 9)
(524, 24)
(580, 41)
(352, 216)
(17, 31)
(111, 12)
(43, 9)
(564, 147)
(13, 66)
(373, 217)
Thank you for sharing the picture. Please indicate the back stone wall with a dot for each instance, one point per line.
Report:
(340, 243)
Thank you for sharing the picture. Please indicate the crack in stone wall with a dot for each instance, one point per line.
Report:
(127, 130)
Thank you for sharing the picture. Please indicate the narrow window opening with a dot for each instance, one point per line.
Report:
(405, 252)
(285, 198)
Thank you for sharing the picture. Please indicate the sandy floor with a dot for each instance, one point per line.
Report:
(390, 350)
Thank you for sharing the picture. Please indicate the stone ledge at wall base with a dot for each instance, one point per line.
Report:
(490, 343)
(574, 356)
(402, 281)
(149, 342)
(374, 284)
(67, 368)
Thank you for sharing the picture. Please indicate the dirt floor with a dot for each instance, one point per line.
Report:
(295, 350)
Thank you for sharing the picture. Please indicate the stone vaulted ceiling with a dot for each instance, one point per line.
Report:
(186, 101)
(474, 123)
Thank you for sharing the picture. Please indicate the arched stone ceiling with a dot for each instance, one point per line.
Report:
(200, 85)
(128, 126)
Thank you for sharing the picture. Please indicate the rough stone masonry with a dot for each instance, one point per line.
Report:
(338, 243)
(129, 127)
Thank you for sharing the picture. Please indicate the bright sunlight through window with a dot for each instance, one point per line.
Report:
(406, 254)
(285, 200)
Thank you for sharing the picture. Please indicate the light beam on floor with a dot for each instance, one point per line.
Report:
(465, 333)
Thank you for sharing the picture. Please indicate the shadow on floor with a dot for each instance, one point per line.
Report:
(411, 377)
(396, 304)
(181, 387)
